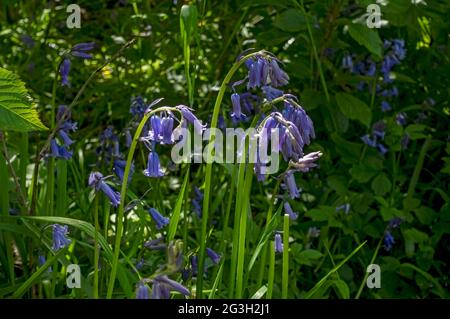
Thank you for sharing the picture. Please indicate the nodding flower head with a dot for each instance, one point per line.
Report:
(119, 169)
(138, 106)
(347, 62)
(159, 219)
(191, 118)
(290, 184)
(153, 166)
(215, 257)
(288, 210)
(162, 286)
(278, 243)
(79, 50)
(307, 162)
(271, 93)
(155, 244)
(237, 114)
(401, 118)
(263, 70)
(64, 70)
(96, 180)
(167, 130)
(59, 237)
(142, 291)
(388, 240)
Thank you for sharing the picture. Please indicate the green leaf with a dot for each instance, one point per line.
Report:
(366, 37)
(188, 21)
(177, 210)
(331, 272)
(305, 257)
(342, 289)
(90, 230)
(354, 108)
(381, 184)
(290, 21)
(16, 110)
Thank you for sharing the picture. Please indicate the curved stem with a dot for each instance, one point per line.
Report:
(208, 173)
(120, 213)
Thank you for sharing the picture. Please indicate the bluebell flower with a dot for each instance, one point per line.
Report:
(128, 138)
(119, 169)
(278, 243)
(59, 237)
(307, 162)
(395, 222)
(155, 244)
(277, 76)
(159, 219)
(385, 106)
(345, 208)
(167, 130)
(64, 70)
(153, 166)
(271, 93)
(79, 50)
(378, 129)
(42, 261)
(347, 62)
(401, 118)
(215, 257)
(142, 291)
(237, 115)
(85, 46)
(368, 141)
(162, 286)
(28, 41)
(155, 133)
(191, 118)
(290, 184)
(197, 208)
(96, 180)
(138, 106)
(288, 210)
(388, 240)
(382, 149)
(58, 151)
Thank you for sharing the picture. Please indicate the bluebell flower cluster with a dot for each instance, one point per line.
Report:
(60, 239)
(394, 53)
(97, 181)
(388, 239)
(142, 291)
(62, 150)
(79, 51)
(376, 137)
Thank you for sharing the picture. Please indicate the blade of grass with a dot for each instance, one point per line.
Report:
(177, 210)
(285, 271)
(332, 271)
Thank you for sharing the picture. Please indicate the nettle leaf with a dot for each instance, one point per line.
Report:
(381, 184)
(16, 111)
(354, 108)
(366, 37)
(290, 21)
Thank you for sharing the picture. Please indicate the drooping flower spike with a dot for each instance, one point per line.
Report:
(96, 180)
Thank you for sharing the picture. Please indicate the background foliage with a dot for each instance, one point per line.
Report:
(186, 66)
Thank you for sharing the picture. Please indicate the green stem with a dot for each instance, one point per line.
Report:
(96, 247)
(123, 191)
(208, 172)
(271, 270)
(285, 273)
(418, 168)
(363, 283)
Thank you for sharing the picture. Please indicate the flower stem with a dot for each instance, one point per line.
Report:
(123, 191)
(208, 172)
(96, 247)
(285, 273)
